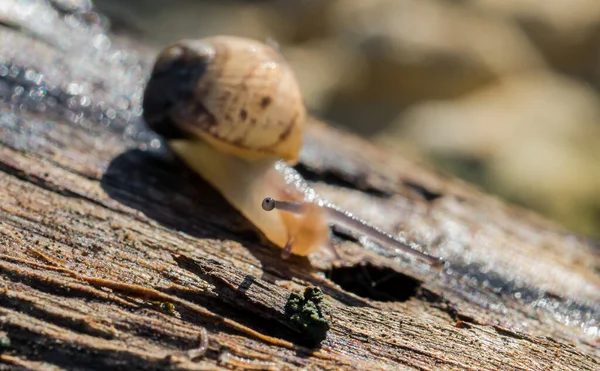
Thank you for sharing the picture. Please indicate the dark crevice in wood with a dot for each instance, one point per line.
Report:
(427, 194)
(376, 283)
(340, 179)
(341, 234)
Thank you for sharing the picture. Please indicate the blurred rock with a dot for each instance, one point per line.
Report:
(298, 21)
(531, 137)
(424, 49)
(567, 32)
(162, 22)
(322, 69)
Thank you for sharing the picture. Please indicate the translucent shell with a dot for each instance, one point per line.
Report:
(237, 94)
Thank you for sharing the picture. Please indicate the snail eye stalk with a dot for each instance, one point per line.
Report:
(269, 204)
(345, 219)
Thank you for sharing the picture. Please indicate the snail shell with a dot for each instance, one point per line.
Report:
(236, 94)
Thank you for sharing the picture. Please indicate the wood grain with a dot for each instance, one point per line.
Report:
(98, 228)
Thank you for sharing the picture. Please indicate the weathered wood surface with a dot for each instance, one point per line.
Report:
(96, 226)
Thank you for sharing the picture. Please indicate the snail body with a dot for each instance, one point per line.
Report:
(232, 110)
(254, 181)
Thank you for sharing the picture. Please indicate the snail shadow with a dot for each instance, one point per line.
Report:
(161, 187)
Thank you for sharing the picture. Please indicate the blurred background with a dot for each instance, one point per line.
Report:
(503, 93)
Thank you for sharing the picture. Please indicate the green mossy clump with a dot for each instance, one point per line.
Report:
(4, 342)
(307, 314)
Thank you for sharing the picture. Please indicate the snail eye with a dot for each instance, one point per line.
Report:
(268, 204)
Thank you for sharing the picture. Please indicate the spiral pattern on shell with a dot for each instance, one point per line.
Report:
(237, 94)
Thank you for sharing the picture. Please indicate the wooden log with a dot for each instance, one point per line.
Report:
(113, 255)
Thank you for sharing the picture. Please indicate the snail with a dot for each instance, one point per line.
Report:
(231, 109)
